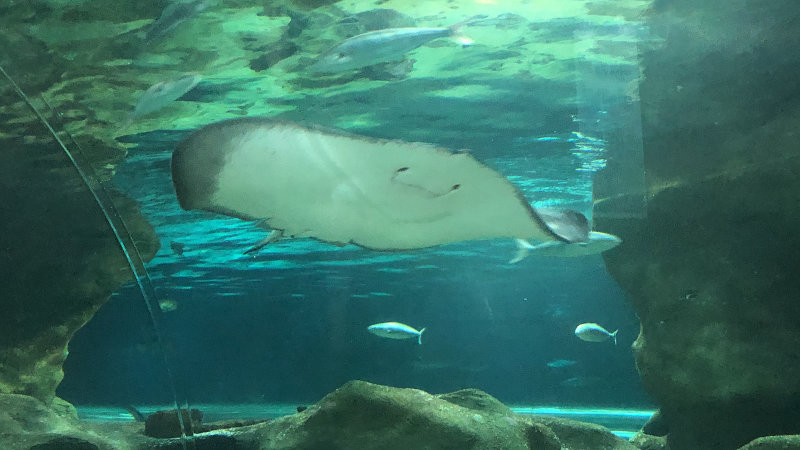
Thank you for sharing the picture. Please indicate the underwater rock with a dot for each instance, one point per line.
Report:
(647, 442)
(65, 443)
(786, 442)
(573, 434)
(65, 261)
(477, 400)
(165, 423)
(358, 415)
(368, 416)
(27, 423)
(712, 270)
(364, 415)
(656, 426)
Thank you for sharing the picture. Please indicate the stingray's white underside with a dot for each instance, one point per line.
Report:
(387, 195)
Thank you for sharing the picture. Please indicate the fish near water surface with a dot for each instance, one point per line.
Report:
(592, 332)
(597, 243)
(345, 189)
(559, 363)
(162, 94)
(581, 382)
(396, 330)
(380, 46)
(174, 14)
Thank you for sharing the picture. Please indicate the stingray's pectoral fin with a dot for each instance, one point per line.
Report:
(273, 236)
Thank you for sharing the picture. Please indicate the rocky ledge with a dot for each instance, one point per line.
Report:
(357, 415)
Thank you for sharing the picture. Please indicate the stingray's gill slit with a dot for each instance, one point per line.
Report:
(422, 190)
(123, 237)
(252, 168)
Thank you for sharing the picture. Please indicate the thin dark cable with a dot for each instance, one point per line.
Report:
(118, 227)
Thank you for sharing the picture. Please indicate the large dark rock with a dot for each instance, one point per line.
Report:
(712, 269)
(791, 442)
(61, 258)
(368, 416)
(359, 415)
(27, 423)
(165, 424)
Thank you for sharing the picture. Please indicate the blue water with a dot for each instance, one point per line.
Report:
(622, 422)
(288, 324)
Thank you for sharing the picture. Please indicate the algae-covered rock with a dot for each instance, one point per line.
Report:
(788, 442)
(477, 400)
(368, 416)
(27, 423)
(358, 415)
(644, 441)
(573, 434)
(62, 260)
(711, 270)
(165, 424)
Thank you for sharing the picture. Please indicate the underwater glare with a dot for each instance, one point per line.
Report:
(318, 224)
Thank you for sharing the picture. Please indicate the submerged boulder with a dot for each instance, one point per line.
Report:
(358, 415)
(712, 268)
(64, 259)
(28, 423)
(369, 416)
(789, 442)
(165, 424)
(61, 259)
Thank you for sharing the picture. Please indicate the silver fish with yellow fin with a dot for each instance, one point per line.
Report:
(380, 46)
(395, 330)
(592, 332)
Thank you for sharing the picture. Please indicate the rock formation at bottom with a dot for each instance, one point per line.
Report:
(358, 415)
(711, 270)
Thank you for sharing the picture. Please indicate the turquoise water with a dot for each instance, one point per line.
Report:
(546, 97)
(622, 422)
(301, 305)
(542, 107)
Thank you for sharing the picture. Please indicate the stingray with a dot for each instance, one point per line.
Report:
(309, 182)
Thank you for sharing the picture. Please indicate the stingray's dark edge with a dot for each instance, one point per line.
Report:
(198, 159)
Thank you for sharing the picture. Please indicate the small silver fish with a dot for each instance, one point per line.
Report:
(167, 305)
(395, 330)
(592, 332)
(174, 14)
(379, 46)
(162, 94)
(561, 363)
(598, 242)
(580, 382)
